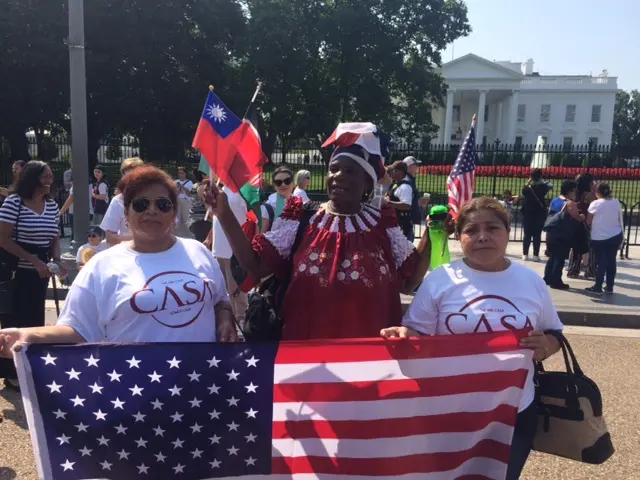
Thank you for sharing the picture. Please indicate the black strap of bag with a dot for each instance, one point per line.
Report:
(263, 320)
(570, 411)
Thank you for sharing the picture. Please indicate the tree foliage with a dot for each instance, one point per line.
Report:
(149, 63)
(626, 119)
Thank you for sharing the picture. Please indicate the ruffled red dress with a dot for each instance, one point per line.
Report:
(347, 271)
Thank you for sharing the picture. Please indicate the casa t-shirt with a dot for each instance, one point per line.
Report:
(607, 218)
(126, 296)
(457, 299)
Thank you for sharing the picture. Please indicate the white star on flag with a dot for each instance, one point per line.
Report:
(49, 360)
(91, 361)
(133, 363)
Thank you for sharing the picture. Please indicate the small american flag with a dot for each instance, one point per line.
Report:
(462, 180)
(433, 408)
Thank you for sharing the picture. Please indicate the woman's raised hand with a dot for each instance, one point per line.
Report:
(216, 199)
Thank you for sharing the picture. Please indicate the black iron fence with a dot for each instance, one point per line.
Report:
(502, 170)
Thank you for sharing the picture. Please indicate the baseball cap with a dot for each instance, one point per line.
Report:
(95, 231)
(408, 161)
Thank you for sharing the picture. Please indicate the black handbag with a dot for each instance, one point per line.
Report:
(8, 266)
(570, 419)
(560, 226)
(263, 321)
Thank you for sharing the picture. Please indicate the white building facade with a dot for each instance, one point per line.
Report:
(515, 105)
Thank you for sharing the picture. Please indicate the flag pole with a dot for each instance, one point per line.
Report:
(253, 99)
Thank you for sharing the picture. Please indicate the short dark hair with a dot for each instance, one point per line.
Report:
(281, 170)
(604, 189)
(29, 179)
(401, 166)
(145, 176)
(568, 186)
(583, 182)
(536, 174)
(482, 203)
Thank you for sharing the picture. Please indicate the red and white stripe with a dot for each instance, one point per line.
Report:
(355, 133)
(434, 408)
(460, 190)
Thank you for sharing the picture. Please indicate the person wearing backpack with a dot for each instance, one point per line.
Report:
(400, 197)
(282, 180)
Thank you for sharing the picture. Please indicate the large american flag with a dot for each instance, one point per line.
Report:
(438, 407)
(462, 180)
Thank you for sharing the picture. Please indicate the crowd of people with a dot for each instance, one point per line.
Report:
(345, 261)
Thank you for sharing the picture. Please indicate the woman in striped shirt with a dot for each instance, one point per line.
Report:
(29, 231)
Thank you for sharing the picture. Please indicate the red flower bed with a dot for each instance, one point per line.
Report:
(561, 173)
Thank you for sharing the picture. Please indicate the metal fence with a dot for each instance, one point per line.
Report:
(502, 168)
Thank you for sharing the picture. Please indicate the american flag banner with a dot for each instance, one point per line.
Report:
(439, 407)
(462, 180)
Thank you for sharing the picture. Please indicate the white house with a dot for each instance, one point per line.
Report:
(516, 104)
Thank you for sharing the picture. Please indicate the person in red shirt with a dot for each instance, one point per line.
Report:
(352, 263)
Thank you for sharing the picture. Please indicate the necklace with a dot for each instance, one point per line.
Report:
(330, 210)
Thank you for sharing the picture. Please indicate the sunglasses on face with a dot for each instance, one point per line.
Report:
(142, 204)
(93, 235)
(279, 183)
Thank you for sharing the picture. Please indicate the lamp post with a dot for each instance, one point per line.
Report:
(79, 144)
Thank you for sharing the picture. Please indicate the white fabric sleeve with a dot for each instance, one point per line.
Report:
(113, 216)
(80, 310)
(302, 194)
(593, 206)
(9, 210)
(79, 254)
(404, 194)
(549, 319)
(422, 314)
(264, 212)
(401, 247)
(102, 189)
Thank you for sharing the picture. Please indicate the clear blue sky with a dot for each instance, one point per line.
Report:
(563, 37)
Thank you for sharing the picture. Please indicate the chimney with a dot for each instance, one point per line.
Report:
(527, 67)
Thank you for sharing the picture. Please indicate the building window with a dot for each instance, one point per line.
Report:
(545, 113)
(456, 113)
(595, 113)
(521, 112)
(567, 143)
(593, 141)
(570, 114)
(486, 113)
(518, 144)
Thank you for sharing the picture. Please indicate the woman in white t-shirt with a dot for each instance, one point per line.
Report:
(486, 292)
(605, 218)
(185, 186)
(134, 292)
(303, 179)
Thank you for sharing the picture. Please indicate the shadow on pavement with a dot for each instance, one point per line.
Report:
(7, 473)
(15, 415)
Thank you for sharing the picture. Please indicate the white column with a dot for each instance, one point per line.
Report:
(512, 119)
(480, 127)
(499, 134)
(448, 117)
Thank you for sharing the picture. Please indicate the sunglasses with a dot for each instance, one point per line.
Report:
(286, 181)
(93, 235)
(142, 204)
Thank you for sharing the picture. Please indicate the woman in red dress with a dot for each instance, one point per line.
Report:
(352, 263)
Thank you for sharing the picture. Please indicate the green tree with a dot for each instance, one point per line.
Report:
(626, 119)
(324, 62)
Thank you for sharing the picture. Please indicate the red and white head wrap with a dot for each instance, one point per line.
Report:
(363, 143)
